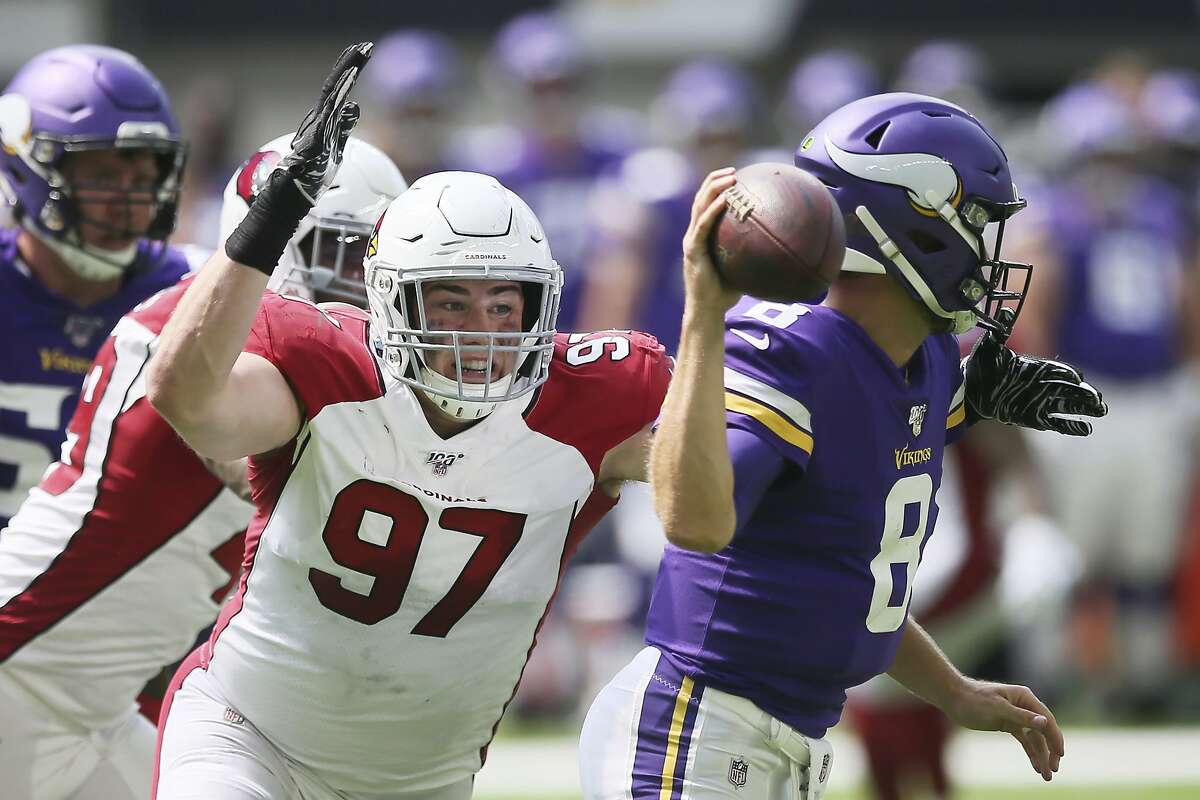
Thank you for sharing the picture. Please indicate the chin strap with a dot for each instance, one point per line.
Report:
(958, 321)
(464, 409)
(91, 263)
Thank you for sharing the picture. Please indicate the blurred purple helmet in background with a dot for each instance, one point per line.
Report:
(1170, 107)
(538, 49)
(943, 69)
(826, 81)
(413, 69)
(81, 98)
(918, 180)
(706, 98)
(1085, 121)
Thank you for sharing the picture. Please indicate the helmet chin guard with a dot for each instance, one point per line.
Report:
(88, 262)
(454, 406)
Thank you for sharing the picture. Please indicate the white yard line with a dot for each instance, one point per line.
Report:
(535, 768)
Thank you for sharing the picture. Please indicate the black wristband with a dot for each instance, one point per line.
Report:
(260, 238)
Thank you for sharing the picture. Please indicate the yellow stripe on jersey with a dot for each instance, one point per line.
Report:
(791, 408)
(957, 416)
(676, 733)
(771, 418)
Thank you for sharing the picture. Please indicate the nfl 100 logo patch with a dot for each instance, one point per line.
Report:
(916, 418)
(441, 462)
(739, 769)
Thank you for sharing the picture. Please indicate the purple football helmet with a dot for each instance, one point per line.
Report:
(707, 98)
(1089, 120)
(1170, 106)
(538, 49)
(919, 180)
(86, 98)
(827, 80)
(413, 69)
(942, 68)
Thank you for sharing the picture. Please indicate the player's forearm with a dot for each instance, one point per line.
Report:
(921, 667)
(690, 469)
(189, 374)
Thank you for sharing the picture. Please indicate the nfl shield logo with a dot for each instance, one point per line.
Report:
(916, 418)
(737, 772)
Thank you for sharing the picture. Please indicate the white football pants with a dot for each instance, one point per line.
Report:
(652, 734)
(44, 757)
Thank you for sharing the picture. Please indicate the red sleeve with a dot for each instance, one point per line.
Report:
(604, 387)
(322, 353)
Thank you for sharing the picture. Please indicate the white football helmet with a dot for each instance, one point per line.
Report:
(461, 226)
(323, 260)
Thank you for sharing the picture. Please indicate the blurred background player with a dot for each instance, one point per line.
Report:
(705, 112)
(90, 164)
(126, 548)
(1115, 285)
(553, 140)
(639, 209)
(821, 83)
(413, 92)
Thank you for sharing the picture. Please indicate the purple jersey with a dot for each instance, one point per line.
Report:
(49, 345)
(811, 596)
(1123, 271)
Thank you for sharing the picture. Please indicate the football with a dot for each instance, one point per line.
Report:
(781, 236)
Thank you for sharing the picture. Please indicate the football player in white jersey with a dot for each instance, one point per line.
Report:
(421, 473)
(122, 553)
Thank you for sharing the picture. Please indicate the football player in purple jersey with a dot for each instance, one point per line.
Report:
(796, 465)
(1116, 293)
(90, 165)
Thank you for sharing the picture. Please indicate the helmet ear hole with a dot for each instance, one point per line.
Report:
(925, 243)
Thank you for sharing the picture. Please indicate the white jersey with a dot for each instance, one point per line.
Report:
(122, 554)
(397, 579)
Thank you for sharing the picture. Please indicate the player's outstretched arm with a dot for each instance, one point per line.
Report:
(925, 671)
(227, 404)
(690, 469)
(1035, 393)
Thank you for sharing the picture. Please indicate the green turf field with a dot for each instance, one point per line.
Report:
(1050, 792)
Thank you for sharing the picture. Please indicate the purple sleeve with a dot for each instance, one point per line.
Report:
(756, 465)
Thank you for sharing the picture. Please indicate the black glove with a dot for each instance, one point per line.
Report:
(321, 138)
(302, 175)
(1031, 392)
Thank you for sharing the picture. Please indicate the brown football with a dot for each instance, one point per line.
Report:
(781, 236)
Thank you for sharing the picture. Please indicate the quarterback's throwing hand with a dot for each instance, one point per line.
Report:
(321, 137)
(1031, 392)
(704, 286)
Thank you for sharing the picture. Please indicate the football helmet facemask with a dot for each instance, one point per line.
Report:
(450, 227)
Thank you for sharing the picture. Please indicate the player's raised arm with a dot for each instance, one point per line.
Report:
(225, 403)
(690, 468)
